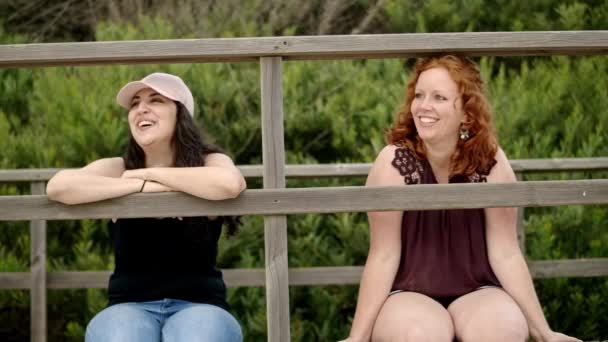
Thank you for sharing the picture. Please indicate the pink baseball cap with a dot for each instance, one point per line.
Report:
(167, 85)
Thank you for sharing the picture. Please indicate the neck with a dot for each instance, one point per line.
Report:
(439, 156)
(159, 155)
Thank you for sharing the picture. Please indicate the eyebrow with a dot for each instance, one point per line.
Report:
(136, 97)
(432, 91)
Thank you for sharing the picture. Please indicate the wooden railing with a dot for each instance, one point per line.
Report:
(274, 201)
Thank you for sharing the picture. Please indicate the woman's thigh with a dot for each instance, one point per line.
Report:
(127, 322)
(410, 316)
(202, 322)
(488, 314)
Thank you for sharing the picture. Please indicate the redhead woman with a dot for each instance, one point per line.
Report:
(441, 275)
(165, 285)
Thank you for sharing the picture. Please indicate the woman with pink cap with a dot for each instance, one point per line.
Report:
(165, 285)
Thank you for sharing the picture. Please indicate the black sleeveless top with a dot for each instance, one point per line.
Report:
(443, 252)
(166, 258)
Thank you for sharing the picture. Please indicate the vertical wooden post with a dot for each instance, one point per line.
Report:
(275, 227)
(521, 232)
(38, 272)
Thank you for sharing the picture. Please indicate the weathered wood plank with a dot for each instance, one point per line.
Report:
(99, 279)
(15, 280)
(306, 47)
(325, 275)
(559, 164)
(521, 233)
(314, 170)
(348, 170)
(596, 267)
(38, 273)
(317, 200)
(255, 277)
(275, 227)
(27, 175)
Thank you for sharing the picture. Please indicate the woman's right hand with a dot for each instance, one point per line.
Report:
(151, 186)
(352, 339)
(552, 336)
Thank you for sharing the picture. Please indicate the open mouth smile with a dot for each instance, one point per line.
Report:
(145, 124)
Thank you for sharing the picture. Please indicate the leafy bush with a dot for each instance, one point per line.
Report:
(335, 111)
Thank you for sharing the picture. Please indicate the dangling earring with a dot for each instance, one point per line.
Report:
(464, 133)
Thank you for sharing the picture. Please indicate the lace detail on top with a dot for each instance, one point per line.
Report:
(481, 175)
(408, 165)
(412, 168)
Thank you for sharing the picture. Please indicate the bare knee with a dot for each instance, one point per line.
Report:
(415, 334)
(488, 315)
(513, 328)
(503, 329)
(515, 335)
(420, 334)
(411, 316)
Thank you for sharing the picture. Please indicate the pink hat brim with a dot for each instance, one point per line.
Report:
(125, 95)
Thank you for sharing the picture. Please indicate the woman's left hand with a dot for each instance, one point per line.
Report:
(151, 186)
(553, 336)
(143, 174)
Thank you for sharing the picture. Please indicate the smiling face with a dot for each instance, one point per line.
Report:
(437, 107)
(152, 118)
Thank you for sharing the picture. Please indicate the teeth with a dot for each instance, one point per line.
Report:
(145, 123)
(427, 119)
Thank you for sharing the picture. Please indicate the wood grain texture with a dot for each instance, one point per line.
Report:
(306, 47)
(275, 227)
(317, 200)
(255, 277)
(349, 170)
(521, 231)
(38, 273)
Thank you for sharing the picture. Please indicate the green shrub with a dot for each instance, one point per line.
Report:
(335, 111)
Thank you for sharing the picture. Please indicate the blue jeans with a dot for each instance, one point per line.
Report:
(166, 320)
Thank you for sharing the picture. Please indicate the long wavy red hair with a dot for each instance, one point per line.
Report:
(471, 155)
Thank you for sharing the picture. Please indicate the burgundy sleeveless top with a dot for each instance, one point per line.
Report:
(443, 252)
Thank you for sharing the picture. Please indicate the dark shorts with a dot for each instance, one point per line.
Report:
(446, 301)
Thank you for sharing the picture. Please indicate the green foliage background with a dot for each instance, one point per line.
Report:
(335, 111)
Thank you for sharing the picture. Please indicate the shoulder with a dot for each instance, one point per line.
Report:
(116, 162)
(502, 171)
(218, 159)
(387, 154)
(385, 170)
(111, 167)
(396, 154)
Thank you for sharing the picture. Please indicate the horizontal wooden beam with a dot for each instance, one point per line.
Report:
(16, 280)
(348, 170)
(306, 47)
(595, 267)
(345, 275)
(316, 200)
(559, 164)
(26, 175)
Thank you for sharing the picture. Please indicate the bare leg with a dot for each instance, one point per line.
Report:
(410, 316)
(488, 314)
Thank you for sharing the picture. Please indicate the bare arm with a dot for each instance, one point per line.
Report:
(95, 182)
(219, 179)
(384, 252)
(508, 262)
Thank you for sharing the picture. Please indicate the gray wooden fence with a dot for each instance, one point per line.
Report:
(274, 201)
